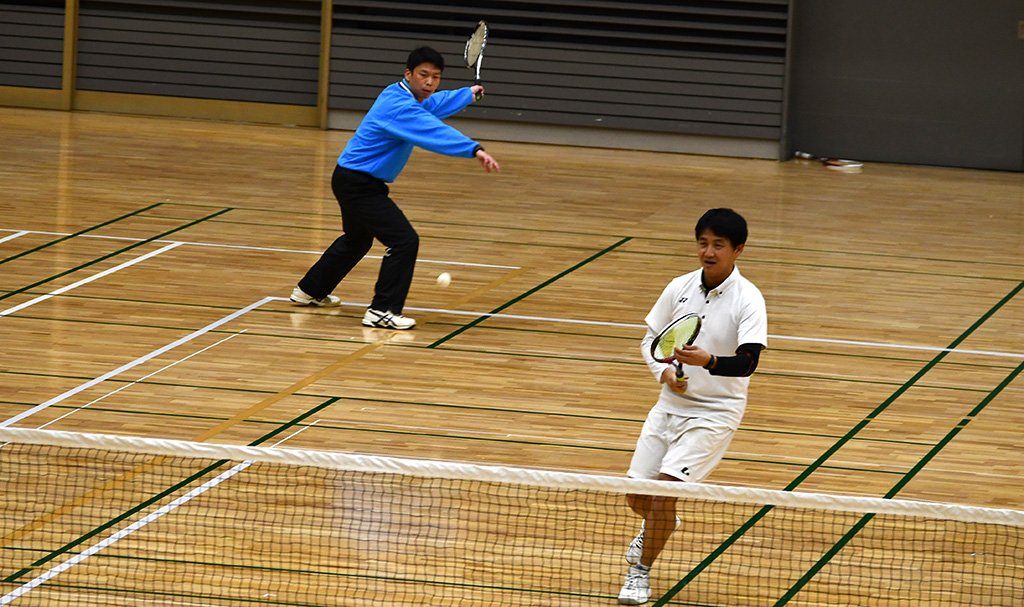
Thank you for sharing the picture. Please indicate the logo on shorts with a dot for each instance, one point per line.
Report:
(686, 470)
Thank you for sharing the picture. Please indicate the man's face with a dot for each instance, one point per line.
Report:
(717, 256)
(423, 80)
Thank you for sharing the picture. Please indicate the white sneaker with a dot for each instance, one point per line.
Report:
(637, 589)
(301, 297)
(387, 320)
(636, 547)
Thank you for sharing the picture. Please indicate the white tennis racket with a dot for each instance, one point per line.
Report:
(835, 164)
(474, 54)
(680, 332)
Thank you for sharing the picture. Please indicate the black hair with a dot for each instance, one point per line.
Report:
(726, 223)
(424, 54)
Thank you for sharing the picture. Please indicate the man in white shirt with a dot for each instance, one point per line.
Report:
(688, 430)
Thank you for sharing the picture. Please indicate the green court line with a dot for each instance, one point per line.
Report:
(888, 256)
(853, 531)
(906, 386)
(537, 288)
(154, 595)
(328, 574)
(867, 382)
(839, 380)
(446, 224)
(447, 238)
(484, 226)
(888, 358)
(859, 268)
(79, 233)
(832, 450)
(109, 255)
(891, 359)
(85, 537)
(862, 254)
(534, 443)
(110, 323)
(185, 416)
(882, 270)
(512, 302)
(557, 357)
(432, 405)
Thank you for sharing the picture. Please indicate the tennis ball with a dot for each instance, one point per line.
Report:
(444, 279)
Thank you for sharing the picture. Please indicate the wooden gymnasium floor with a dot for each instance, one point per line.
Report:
(156, 231)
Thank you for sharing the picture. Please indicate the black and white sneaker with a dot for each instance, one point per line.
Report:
(301, 297)
(387, 320)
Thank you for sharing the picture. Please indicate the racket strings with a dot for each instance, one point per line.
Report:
(680, 333)
(475, 45)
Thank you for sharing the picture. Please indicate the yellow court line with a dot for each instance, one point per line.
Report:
(80, 501)
(270, 400)
(233, 421)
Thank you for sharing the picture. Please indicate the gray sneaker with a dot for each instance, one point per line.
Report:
(637, 588)
(301, 297)
(387, 320)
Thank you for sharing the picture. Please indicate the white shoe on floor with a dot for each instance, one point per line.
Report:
(301, 297)
(387, 320)
(637, 589)
(636, 547)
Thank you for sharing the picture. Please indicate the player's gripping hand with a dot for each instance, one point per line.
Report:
(675, 384)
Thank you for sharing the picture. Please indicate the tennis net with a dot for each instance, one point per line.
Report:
(90, 519)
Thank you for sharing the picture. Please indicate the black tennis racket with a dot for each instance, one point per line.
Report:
(680, 332)
(474, 54)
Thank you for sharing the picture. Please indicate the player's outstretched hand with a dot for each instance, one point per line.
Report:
(488, 162)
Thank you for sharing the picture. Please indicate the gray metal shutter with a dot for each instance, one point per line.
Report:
(708, 67)
(32, 43)
(240, 50)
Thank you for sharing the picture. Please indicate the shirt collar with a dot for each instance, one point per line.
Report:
(726, 284)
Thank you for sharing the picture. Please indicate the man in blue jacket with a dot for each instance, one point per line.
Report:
(405, 114)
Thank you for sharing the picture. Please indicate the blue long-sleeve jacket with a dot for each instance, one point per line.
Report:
(396, 122)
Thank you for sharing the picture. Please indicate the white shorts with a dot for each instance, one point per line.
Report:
(686, 448)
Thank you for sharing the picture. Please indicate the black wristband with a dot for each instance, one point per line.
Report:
(478, 148)
(711, 363)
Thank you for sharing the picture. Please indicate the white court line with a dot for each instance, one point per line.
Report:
(135, 363)
(15, 235)
(139, 524)
(601, 323)
(264, 249)
(561, 320)
(84, 281)
(846, 342)
(259, 303)
(129, 385)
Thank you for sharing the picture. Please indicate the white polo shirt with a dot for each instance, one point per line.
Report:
(732, 314)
